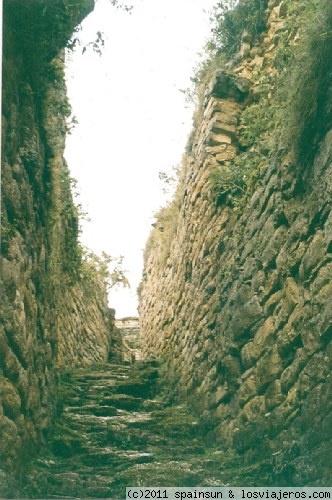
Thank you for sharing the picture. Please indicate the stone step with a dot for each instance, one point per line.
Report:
(115, 431)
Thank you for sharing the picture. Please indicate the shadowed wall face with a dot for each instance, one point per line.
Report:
(46, 314)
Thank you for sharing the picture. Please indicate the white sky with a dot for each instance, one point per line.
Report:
(133, 121)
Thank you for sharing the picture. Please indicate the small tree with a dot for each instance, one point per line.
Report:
(105, 268)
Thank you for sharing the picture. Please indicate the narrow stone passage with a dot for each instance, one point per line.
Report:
(116, 431)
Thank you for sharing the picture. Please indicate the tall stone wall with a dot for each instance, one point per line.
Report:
(46, 316)
(240, 307)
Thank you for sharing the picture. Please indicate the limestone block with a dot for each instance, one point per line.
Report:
(273, 3)
(258, 278)
(228, 153)
(265, 335)
(11, 401)
(310, 337)
(290, 374)
(223, 412)
(275, 242)
(269, 367)
(249, 354)
(324, 294)
(245, 50)
(278, 11)
(272, 302)
(220, 127)
(216, 139)
(243, 82)
(225, 106)
(220, 395)
(282, 414)
(313, 321)
(287, 340)
(245, 316)
(243, 293)
(3, 346)
(9, 442)
(323, 278)
(222, 152)
(225, 433)
(231, 368)
(13, 366)
(247, 390)
(10, 278)
(212, 107)
(316, 371)
(292, 294)
(313, 256)
(290, 256)
(258, 60)
(273, 395)
(230, 118)
(33, 398)
(323, 322)
(253, 410)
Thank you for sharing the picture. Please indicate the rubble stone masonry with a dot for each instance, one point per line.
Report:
(241, 309)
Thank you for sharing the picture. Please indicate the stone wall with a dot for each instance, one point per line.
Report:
(46, 315)
(130, 333)
(85, 328)
(240, 307)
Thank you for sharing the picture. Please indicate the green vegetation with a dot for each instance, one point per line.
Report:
(46, 25)
(98, 43)
(167, 217)
(231, 22)
(307, 114)
(233, 184)
(103, 269)
(231, 18)
(288, 110)
(164, 229)
(44, 125)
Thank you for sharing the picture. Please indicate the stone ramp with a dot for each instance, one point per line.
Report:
(116, 431)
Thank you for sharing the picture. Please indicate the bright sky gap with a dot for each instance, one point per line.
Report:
(133, 121)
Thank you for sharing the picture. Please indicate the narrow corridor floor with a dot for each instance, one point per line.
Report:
(115, 431)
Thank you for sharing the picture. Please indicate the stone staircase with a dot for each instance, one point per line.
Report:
(116, 431)
(130, 332)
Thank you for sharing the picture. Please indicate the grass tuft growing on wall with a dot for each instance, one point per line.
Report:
(231, 18)
(307, 113)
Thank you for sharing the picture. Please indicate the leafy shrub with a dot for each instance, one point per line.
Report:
(231, 19)
(106, 270)
(256, 121)
(232, 183)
